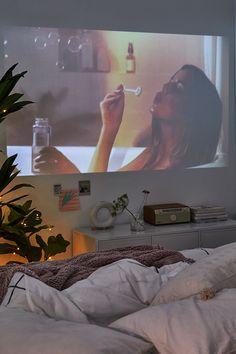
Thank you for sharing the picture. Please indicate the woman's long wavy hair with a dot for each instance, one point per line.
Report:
(203, 124)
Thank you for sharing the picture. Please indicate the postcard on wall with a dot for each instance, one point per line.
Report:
(69, 200)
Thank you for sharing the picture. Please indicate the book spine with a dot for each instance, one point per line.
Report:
(210, 219)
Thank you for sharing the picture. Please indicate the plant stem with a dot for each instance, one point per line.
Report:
(135, 218)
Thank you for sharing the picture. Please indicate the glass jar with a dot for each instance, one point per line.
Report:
(137, 223)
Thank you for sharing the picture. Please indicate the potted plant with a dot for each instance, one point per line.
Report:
(20, 223)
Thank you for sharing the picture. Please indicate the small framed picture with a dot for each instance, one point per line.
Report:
(57, 189)
(84, 188)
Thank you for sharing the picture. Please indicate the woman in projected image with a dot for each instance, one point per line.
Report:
(186, 123)
(185, 129)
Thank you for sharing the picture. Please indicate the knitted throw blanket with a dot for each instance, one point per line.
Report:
(64, 273)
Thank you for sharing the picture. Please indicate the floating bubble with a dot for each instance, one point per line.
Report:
(40, 42)
(74, 44)
(53, 38)
(5, 42)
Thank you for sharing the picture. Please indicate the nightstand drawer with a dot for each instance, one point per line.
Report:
(216, 238)
(177, 241)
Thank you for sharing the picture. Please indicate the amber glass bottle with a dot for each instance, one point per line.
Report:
(130, 59)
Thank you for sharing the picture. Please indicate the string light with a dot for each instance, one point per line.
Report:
(4, 110)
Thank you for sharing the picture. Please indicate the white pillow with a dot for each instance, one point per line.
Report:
(187, 326)
(33, 295)
(217, 271)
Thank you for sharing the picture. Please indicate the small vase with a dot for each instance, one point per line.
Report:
(136, 223)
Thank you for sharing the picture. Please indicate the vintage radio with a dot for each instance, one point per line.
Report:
(160, 214)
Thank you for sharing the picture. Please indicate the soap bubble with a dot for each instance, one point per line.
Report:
(53, 38)
(60, 65)
(74, 44)
(40, 42)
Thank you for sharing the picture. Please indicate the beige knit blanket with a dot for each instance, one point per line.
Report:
(64, 273)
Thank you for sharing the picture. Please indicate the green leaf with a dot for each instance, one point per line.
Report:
(10, 103)
(14, 108)
(33, 219)
(7, 85)
(120, 204)
(6, 172)
(18, 186)
(34, 254)
(56, 244)
(10, 100)
(41, 243)
(9, 202)
(8, 73)
(16, 208)
(6, 248)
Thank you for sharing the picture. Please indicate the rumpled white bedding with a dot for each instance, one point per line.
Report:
(36, 319)
(189, 326)
(119, 288)
(25, 332)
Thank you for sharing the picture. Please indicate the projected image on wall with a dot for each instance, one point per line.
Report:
(108, 101)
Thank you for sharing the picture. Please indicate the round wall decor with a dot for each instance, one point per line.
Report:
(101, 215)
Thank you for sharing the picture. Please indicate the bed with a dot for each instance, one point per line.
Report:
(137, 300)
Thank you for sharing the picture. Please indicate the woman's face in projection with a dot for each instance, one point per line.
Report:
(170, 103)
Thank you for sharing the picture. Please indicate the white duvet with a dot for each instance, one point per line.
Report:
(110, 312)
(24, 332)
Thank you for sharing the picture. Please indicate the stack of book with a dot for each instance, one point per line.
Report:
(208, 213)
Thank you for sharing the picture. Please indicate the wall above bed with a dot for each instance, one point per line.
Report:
(190, 186)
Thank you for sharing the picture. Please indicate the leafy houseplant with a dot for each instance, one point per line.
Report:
(121, 204)
(20, 223)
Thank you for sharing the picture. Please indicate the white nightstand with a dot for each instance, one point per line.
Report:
(179, 236)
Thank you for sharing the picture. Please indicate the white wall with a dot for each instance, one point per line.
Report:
(168, 16)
